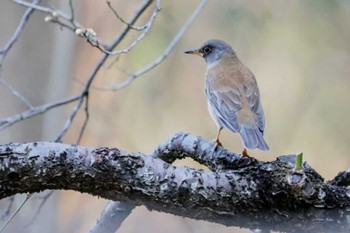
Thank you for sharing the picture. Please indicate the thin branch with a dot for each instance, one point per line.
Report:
(86, 120)
(38, 7)
(15, 93)
(90, 35)
(122, 20)
(72, 116)
(16, 212)
(41, 109)
(98, 66)
(163, 56)
(136, 16)
(112, 217)
(54, 16)
(72, 14)
(70, 119)
(43, 201)
(47, 10)
(9, 45)
(18, 31)
(4, 123)
(9, 207)
(147, 29)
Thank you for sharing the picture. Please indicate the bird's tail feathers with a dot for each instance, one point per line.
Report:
(253, 138)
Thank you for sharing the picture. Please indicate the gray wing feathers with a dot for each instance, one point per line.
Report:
(261, 118)
(225, 107)
(253, 138)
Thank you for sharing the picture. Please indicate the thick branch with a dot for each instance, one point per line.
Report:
(271, 193)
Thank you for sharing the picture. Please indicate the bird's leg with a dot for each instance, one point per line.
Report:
(245, 152)
(217, 141)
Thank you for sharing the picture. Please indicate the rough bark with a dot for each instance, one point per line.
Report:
(237, 191)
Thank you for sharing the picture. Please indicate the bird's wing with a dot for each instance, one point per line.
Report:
(225, 104)
(254, 104)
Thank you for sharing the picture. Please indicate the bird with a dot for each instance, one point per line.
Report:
(233, 95)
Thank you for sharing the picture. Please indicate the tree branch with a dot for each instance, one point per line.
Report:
(6, 122)
(165, 54)
(34, 111)
(112, 217)
(271, 193)
(19, 30)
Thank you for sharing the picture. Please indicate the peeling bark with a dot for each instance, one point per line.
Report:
(237, 191)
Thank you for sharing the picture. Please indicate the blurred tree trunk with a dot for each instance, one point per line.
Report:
(60, 74)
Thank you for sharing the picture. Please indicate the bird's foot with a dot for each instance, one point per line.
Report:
(217, 144)
(245, 152)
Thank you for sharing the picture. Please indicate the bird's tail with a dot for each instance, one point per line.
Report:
(253, 138)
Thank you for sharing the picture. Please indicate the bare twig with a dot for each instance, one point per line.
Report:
(44, 10)
(55, 16)
(86, 120)
(94, 41)
(8, 209)
(72, 14)
(11, 120)
(15, 93)
(163, 55)
(9, 45)
(66, 21)
(18, 31)
(43, 201)
(15, 213)
(4, 123)
(70, 118)
(147, 29)
(37, 7)
(122, 20)
(98, 66)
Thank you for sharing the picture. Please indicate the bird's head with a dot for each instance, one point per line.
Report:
(213, 50)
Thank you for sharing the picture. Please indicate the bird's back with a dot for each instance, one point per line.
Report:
(234, 95)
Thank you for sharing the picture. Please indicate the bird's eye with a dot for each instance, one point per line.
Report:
(206, 50)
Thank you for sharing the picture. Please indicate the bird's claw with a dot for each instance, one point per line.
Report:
(217, 144)
(245, 152)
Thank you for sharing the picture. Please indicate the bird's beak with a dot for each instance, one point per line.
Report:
(194, 52)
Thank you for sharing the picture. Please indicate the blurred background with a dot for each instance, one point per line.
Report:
(298, 50)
